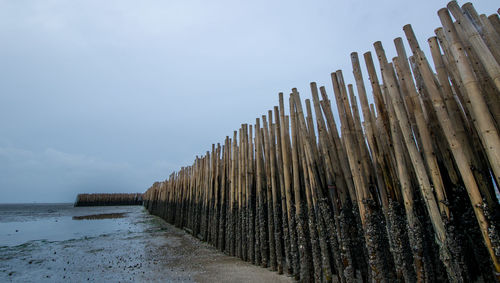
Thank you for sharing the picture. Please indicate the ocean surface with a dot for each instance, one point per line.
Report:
(22, 223)
(62, 243)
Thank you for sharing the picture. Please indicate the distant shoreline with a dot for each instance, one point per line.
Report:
(34, 203)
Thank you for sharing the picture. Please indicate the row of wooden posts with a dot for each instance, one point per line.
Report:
(102, 199)
(409, 193)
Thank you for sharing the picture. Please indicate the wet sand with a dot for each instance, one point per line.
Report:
(144, 248)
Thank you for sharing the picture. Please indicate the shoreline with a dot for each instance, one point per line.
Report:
(146, 248)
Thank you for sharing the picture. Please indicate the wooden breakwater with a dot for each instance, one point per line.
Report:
(406, 194)
(108, 199)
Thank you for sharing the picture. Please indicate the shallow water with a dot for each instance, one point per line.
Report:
(55, 222)
(118, 244)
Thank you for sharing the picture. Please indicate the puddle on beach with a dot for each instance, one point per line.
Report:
(99, 216)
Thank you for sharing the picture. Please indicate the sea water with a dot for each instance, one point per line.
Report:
(62, 243)
(22, 223)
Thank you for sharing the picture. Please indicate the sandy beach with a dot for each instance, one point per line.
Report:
(129, 245)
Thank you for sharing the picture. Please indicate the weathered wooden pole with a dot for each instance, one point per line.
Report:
(366, 204)
(292, 227)
(251, 196)
(470, 32)
(244, 195)
(269, 195)
(416, 158)
(276, 194)
(455, 145)
(261, 195)
(337, 191)
(350, 219)
(284, 217)
(305, 259)
(313, 241)
(482, 119)
(234, 204)
(401, 62)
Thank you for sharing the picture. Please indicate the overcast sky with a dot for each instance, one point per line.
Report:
(110, 96)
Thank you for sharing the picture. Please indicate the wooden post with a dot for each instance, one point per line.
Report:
(401, 62)
(337, 191)
(300, 208)
(482, 118)
(269, 195)
(467, 28)
(251, 197)
(262, 196)
(455, 145)
(276, 194)
(285, 145)
(284, 217)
